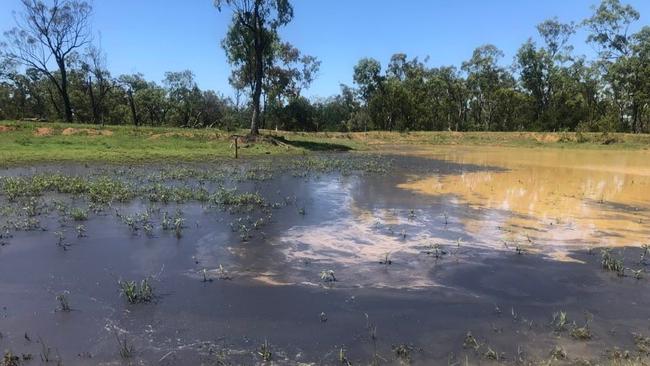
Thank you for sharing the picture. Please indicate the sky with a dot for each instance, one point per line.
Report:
(155, 36)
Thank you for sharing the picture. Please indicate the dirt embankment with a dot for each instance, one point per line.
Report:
(86, 131)
(47, 131)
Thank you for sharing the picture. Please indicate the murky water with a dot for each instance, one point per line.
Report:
(490, 241)
(550, 200)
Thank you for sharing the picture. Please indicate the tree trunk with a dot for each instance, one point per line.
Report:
(259, 72)
(93, 102)
(134, 115)
(67, 106)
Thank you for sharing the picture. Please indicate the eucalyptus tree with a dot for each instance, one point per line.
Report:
(542, 70)
(46, 36)
(249, 44)
(609, 28)
(485, 78)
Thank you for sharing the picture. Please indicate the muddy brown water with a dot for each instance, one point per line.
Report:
(449, 219)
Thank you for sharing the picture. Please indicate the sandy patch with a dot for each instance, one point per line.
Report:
(158, 136)
(43, 131)
(6, 129)
(86, 131)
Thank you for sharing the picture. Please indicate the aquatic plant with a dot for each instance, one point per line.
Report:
(79, 214)
(9, 359)
(81, 231)
(323, 317)
(222, 273)
(637, 273)
(645, 251)
(60, 240)
(64, 304)
(137, 293)
(493, 355)
(560, 321)
(403, 352)
(609, 263)
(126, 350)
(46, 352)
(435, 250)
(343, 358)
(470, 342)
(265, 352)
(386, 259)
(558, 353)
(327, 276)
(642, 343)
(205, 276)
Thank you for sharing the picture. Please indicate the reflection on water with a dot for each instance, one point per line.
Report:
(555, 199)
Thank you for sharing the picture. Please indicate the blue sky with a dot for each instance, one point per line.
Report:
(154, 36)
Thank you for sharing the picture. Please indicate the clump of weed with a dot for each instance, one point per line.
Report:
(581, 333)
(79, 214)
(223, 274)
(137, 293)
(493, 355)
(386, 259)
(126, 349)
(645, 251)
(435, 250)
(403, 352)
(558, 353)
(642, 343)
(60, 240)
(265, 352)
(205, 276)
(175, 223)
(64, 304)
(609, 263)
(343, 358)
(81, 231)
(470, 342)
(637, 274)
(9, 359)
(560, 321)
(327, 276)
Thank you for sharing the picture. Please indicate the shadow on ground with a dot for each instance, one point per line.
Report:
(313, 145)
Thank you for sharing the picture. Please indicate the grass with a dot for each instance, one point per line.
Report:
(32, 142)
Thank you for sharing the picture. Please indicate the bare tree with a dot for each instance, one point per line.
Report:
(95, 66)
(46, 36)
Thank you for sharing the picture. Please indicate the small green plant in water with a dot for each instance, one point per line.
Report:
(560, 321)
(609, 263)
(64, 304)
(126, 349)
(327, 276)
(81, 231)
(386, 259)
(79, 214)
(470, 342)
(137, 293)
(265, 351)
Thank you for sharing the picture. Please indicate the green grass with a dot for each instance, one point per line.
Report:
(21, 144)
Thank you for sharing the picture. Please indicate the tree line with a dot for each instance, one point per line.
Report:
(51, 70)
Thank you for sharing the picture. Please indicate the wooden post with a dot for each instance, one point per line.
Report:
(236, 137)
